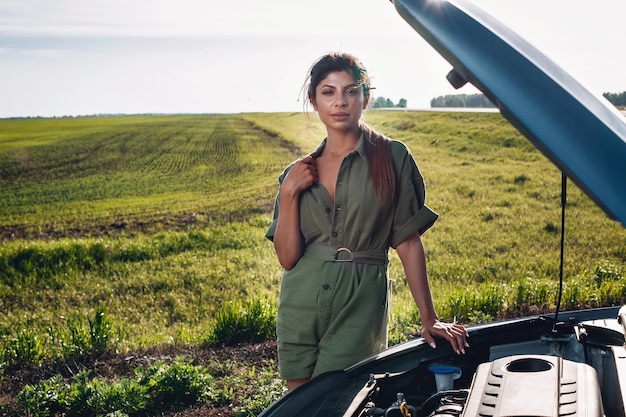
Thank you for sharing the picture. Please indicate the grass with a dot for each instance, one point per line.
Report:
(162, 217)
(100, 172)
(158, 288)
(157, 387)
(121, 233)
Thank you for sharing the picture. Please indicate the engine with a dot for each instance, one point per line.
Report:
(534, 385)
(513, 386)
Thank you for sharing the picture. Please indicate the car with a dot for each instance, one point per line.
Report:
(560, 364)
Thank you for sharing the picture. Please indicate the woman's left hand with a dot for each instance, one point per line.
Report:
(454, 333)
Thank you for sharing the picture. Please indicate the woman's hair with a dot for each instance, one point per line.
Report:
(377, 146)
(336, 62)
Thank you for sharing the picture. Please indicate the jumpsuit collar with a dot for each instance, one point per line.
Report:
(360, 148)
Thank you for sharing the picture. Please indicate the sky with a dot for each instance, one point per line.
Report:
(85, 57)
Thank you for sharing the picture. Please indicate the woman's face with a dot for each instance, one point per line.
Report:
(339, 101)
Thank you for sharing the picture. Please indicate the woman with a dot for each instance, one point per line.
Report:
(337, 213)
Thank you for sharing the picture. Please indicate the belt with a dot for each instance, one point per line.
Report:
(328, 254)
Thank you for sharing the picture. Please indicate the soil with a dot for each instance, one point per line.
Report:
(114, 366)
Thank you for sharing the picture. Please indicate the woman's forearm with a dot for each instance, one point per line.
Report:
(411, 253)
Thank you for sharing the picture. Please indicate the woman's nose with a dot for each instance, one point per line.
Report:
(342, 100)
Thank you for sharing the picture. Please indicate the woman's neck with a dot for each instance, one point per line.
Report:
(341, 143)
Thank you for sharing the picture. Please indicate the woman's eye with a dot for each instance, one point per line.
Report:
(327, 93)
(352, 92)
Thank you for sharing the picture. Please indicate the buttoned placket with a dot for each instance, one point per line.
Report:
(338, 218)
(337, 223)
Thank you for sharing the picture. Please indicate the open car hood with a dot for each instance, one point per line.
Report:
(583, 135)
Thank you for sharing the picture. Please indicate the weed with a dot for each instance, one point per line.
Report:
(49, 397)
(247, 322)
(178, 383)
(157, 387)
(269, 390)
(94, 339)
(521, 180)
(25, 348)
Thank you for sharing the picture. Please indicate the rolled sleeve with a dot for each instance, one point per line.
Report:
(271, 230)
(411, 214)
(420, 221)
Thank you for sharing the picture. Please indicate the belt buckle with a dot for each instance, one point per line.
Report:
(343, 250)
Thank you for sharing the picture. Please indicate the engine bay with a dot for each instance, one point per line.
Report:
(580, 372)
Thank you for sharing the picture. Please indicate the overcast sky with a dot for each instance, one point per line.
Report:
(80, 57)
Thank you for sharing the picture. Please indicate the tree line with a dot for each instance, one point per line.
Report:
(480, 100)
(616, 99)
(461, 100)
(473, 100)
(384, 103)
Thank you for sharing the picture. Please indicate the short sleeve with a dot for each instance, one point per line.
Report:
(411, 212)
(272, 227)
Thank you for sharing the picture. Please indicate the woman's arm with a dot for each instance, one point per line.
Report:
(411, 253)
(288, 240)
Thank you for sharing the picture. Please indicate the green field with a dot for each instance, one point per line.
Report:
(81, 176)
(125, 234)
(161, 219)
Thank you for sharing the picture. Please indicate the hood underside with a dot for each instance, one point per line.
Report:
(583, 135)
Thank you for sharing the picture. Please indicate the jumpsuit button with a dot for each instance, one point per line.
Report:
(334, 234)
(325, 286)
(327, 209)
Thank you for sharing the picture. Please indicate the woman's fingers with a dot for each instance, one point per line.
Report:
(302, 175)
(456, 334)
(308, 171)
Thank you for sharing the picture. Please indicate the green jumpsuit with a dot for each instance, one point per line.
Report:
(334, 304)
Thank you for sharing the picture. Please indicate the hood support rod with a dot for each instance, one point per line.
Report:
(563, 204)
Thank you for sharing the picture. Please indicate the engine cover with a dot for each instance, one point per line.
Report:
(534, 385)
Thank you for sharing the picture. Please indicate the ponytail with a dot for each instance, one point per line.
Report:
(378, 151)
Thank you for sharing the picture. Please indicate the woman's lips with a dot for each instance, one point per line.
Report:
(340, 116)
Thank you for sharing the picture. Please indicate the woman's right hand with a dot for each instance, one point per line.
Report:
(302, 175)
(288, 240)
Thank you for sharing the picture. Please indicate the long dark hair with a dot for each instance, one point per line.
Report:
(377, 146)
